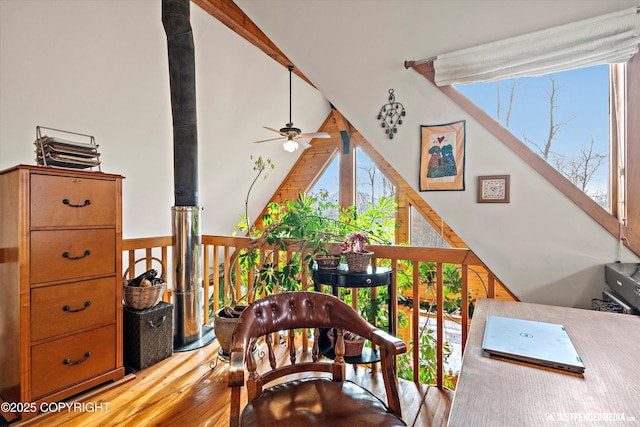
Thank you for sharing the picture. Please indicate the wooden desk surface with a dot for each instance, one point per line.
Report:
(495, 392)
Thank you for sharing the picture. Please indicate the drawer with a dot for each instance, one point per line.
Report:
(63, 201)
(66, 254)
(363, 280)
(66, 308)
(61, 363)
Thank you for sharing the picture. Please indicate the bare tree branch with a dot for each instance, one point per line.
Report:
(498, 109)
(511, 97)
(512, 91)
(579, 169)
(545, 149)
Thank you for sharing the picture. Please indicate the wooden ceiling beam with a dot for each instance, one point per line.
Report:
(340, 121)
(227, 12)
(344, 128)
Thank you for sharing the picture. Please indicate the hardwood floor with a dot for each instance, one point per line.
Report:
(185, 391)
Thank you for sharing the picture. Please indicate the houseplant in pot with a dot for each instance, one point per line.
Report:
(293, 225)
(261, 279)
(225, 319)
(355, 253)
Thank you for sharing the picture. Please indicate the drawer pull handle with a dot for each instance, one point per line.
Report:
(367, 281)
(68, 308)
(68, 361)
(153, 325)
(68, 255)
(68, 203)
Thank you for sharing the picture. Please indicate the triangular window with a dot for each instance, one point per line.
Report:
(421, 233)
(371, 183)
(329, 181)
(563, 117)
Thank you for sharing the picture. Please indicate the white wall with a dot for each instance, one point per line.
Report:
(540, 244)
(100, 68)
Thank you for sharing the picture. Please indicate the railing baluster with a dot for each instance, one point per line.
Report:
(227, 272)
(440, 325)
(163, 256)
(132, 263)
(415, 333)
(393, 298)
(216, 279)
(166, 297)
(464, 275)
(149, 262)
(238, 273)
(205, 283)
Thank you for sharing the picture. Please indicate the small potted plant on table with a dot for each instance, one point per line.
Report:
(355, 253)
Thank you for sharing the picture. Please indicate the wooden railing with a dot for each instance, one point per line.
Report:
(219, 268)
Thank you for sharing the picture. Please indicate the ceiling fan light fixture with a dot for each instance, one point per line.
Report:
(290, 145)
(292, 133)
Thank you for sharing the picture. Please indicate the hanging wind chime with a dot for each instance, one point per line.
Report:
(391, 115)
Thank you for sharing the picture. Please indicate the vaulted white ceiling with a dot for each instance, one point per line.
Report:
(354, 50)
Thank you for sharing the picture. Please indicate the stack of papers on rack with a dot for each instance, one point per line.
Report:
(68, 154)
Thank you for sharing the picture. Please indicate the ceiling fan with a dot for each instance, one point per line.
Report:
(292, 135)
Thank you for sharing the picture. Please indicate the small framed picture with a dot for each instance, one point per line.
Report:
(493, 189)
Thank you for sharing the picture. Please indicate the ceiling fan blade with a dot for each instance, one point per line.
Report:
(304, 144)
(314, 135)
(266, 140)
(273, 130)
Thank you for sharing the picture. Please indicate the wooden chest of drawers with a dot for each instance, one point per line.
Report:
(60, 283)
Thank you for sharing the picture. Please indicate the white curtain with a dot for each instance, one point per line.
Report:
(606, 39)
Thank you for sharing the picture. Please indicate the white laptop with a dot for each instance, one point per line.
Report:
(546, 344)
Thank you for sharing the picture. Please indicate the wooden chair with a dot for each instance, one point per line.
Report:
(316, 400)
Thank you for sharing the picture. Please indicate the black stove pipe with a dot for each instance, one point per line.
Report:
(182, 78)
(187, 238)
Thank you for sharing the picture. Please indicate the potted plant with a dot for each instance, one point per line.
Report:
(294, 223)
(226, 318)
(355, 253)
(265, 275)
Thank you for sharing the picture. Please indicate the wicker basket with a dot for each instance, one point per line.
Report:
(358, 261)
(140, 298)
(352, 348)
(328, 262)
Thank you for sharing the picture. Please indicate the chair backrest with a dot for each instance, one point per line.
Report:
(296, 310)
